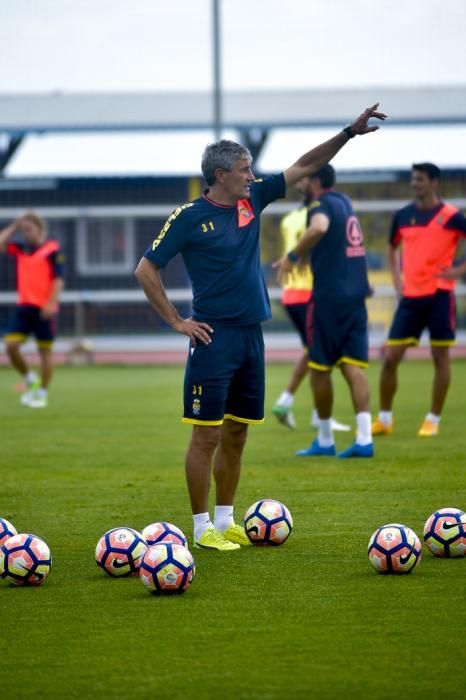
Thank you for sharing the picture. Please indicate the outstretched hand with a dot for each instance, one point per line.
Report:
(360, 125)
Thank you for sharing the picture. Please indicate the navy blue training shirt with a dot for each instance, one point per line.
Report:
(220, 248)
(338, 260)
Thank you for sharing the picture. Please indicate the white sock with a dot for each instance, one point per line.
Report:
(285, 399)
(315, 420)
(433, 418)
(42, 393)
(30, 377)
(223, 517)
(325, 434)
(363, 428)
(385, 417)
(201, 523)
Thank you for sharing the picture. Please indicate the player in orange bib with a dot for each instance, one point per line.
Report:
(39, 268)
(428, 230)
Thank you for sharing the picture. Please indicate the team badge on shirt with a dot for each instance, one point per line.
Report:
(245, 212)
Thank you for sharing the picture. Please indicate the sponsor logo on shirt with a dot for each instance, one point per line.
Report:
(354, 236)
(168, 223)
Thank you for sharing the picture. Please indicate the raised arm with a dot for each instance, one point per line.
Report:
(314, 159)
(6, 234)
(149, 278)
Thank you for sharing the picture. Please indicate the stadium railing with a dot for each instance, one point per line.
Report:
(124, 311)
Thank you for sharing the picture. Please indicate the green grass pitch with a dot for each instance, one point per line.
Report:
(310, 619)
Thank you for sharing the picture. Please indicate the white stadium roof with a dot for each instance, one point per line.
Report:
(20, 113)
(165, 133)
(179, 153)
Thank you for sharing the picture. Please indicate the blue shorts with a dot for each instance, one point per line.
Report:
(226, 379)
(25, 321)
(299, 314)
(337, 335)
(436, 312)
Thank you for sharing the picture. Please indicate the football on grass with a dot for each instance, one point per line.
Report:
(6, 530)
(25, 560)
(445, 533)
(164, 532)
(119, 551)
(394, 549)
(268, 522)
(167, 568)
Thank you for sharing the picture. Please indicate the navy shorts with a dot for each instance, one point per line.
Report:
(337, 335)
(298, 314)
(25, 321)
(436, 312)
(226, 379)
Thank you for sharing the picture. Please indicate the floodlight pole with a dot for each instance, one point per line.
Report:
(217, 89)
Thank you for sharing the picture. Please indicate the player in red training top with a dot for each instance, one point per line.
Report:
(39, 267)
(428, 231)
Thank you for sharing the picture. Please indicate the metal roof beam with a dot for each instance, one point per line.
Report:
(7, 153)
(72, 112)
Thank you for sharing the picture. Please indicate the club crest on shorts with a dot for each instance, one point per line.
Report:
(196, 407)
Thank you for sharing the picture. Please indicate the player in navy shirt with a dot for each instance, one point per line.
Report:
(218, 237)
(213, 239)
(338, 317)
(338, 260)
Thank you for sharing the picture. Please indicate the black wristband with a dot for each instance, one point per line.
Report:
(349, 132)
(292, 257)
